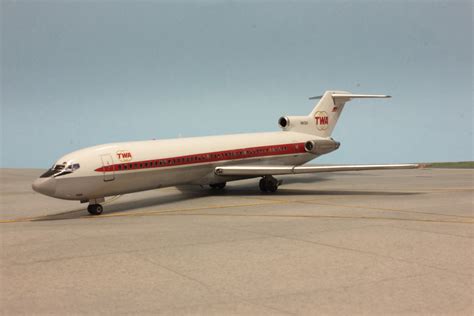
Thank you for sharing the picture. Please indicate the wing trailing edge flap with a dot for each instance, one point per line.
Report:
(282, 170)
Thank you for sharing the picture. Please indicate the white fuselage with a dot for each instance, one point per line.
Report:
(120, 168)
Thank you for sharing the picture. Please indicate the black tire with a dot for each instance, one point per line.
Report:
(272, 186)
(95, 209)
(218, 186)
(268, 184)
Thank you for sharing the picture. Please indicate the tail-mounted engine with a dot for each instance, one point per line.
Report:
(284, 122)
(291, 122)
(321, 146)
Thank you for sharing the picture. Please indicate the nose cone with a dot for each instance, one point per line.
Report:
(46, 186)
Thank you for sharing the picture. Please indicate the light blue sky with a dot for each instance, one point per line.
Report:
(80, 73)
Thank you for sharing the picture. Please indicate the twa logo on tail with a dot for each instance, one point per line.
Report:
(322, 120)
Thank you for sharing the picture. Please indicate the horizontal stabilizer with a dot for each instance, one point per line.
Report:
(359, 96)
(281, 170)
(325, 114)
(352, 96)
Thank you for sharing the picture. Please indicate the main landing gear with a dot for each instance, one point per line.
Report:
(269, 184)
(95, 209)
(217, 186)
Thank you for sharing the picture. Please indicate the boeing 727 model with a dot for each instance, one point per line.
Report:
(91, 174)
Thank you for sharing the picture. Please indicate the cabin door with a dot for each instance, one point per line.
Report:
(108, 167)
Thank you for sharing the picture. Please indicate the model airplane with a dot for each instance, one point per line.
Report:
(91, 174)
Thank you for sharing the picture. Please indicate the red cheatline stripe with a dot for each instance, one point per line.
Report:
(242, 153)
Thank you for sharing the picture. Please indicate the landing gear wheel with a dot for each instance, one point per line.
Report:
(218, 186)
(272, 186)
(269, 184)
(95, 209)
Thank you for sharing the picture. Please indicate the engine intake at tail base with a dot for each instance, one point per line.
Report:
(321, 146)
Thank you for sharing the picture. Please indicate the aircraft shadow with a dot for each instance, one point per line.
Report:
(246, 190)
(119, 207)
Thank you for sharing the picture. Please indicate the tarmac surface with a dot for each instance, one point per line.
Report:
(378, 242)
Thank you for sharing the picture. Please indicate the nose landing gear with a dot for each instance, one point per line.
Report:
(269, 184)
(95, 209)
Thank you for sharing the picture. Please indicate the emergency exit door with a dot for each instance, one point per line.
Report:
(108, 167)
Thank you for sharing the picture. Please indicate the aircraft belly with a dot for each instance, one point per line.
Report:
(148, 180)
(84, 188)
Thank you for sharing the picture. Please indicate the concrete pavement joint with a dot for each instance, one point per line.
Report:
(352, 250)
(114, 252)
(431, 232)
(383, 209)
(331, 288)
(313, 216)
(207, 286)
(319, 201)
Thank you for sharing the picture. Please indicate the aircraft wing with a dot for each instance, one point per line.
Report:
(281, 170)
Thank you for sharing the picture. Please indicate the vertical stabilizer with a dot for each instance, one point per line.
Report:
(327, 111)
(322, 120)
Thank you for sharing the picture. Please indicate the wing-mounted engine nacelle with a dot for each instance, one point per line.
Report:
(289, 122)
(321, 146)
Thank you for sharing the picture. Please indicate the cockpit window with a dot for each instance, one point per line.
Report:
(60, 170)
(54, 169)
